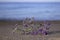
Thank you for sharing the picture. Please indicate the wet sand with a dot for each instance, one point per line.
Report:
(6, 28)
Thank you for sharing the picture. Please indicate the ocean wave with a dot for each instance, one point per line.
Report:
(39, 11)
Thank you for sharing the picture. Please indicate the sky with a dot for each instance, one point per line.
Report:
(29, 0)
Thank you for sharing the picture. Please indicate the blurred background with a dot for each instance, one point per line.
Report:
(38, 10)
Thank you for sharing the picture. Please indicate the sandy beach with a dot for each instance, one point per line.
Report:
(6, 28)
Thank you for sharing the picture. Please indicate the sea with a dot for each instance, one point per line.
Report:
(22, 10)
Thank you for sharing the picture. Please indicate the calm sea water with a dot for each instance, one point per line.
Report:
(41, 11)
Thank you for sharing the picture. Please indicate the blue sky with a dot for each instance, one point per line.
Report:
(29, 0)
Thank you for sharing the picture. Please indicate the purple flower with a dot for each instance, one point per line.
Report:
(34, 33)
(25, 25)
(45, 32)
(40, 30)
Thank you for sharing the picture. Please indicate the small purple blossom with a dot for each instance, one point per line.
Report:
(34, 33)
